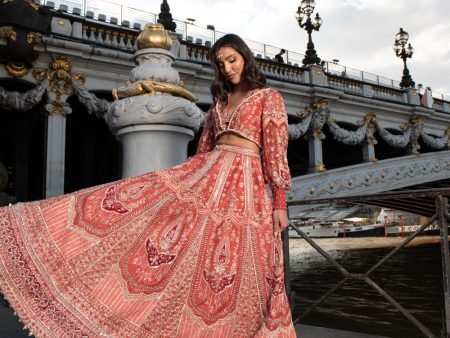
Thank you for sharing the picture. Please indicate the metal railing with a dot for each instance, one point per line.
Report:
(136, 18)
(441, 216)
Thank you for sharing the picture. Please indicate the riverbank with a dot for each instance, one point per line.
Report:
(298, 245)
(307, 331)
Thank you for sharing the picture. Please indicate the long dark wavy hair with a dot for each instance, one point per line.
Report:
(252, 76)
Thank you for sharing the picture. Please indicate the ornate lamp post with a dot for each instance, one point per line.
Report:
(401, 39)
(305, 9)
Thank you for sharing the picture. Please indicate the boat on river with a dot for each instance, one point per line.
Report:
(315, 229)
(403, 224)
(363, 230)
(405, 230)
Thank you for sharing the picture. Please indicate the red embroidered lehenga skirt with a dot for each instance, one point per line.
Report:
(183, 252)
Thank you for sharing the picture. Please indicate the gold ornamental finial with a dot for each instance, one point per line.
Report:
(154, 36)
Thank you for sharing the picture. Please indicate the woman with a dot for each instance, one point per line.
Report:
(191, 251)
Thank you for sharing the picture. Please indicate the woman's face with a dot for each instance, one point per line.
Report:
(231, 64)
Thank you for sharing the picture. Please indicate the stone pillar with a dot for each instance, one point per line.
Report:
(315, 152)
(315, 135)
(152, 147)
(59, 90)
(153, 116)
(369, 152)
(55, 159)
(370, 121)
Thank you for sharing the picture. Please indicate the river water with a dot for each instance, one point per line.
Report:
(413, 277)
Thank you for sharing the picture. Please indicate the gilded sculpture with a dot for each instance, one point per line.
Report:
(18, 54)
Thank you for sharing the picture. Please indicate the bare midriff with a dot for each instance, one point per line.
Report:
(234, 140)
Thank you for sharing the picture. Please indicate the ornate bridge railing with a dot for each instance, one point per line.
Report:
(441, 216)
(113, 16)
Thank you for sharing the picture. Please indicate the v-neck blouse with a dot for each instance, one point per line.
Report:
(261, 118)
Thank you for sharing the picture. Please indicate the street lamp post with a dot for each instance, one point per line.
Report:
(305, 9)
(401, 39)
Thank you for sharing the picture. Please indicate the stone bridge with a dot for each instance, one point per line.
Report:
(426, 170)
(348, 135)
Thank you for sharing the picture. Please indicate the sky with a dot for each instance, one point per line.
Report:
(359, 33)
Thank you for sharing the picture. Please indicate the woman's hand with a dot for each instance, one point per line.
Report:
(280, 221)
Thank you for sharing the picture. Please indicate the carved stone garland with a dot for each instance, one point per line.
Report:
(18, 101)
(314, 117)
(58, 83)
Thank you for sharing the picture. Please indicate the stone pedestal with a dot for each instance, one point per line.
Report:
(154, 131)
(152, 147)
(61, 26)
(153, 116)
(317, 76)
(412, 96)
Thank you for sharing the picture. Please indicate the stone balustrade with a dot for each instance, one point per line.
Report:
(123, 37)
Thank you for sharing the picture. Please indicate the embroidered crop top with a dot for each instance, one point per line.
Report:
(261, 118)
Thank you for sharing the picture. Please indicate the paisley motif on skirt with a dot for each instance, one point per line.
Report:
(187, 251)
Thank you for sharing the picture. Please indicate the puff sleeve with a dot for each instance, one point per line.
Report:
(207, 139)
(274, 144)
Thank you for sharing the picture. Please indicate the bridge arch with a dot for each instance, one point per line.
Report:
(337, 154)
(373, 177)
(22, 150)
(93, 155)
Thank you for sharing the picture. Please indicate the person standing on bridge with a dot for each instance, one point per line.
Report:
(279, 56)
(193, 250)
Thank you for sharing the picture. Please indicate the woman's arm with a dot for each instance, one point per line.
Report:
(274, 155)
(207, 139)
